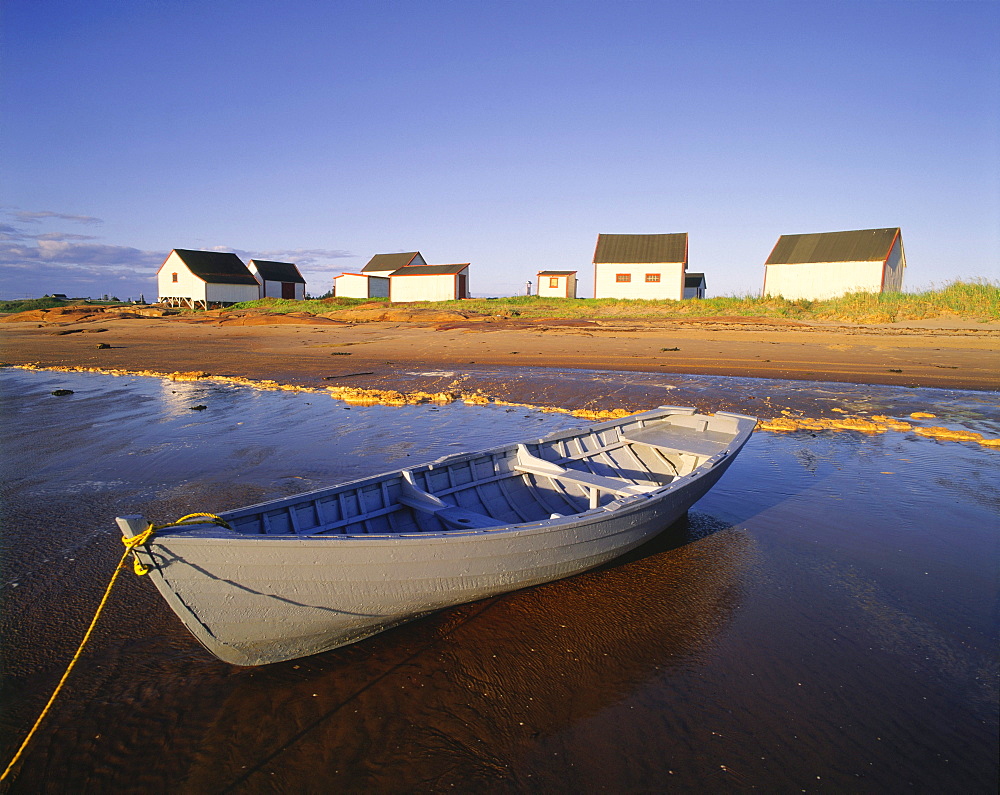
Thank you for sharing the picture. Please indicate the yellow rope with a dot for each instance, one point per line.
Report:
(134, 541)
(130, 545)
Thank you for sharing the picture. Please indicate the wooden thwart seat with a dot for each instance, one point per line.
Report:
(672, 439)
(452, 516)
(532, 465)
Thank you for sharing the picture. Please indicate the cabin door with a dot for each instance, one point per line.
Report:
(463, 285)
(288, 290)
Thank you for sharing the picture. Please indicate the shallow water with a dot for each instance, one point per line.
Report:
(824, 620)
(763, 397)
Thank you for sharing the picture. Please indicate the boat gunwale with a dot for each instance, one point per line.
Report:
(213, 532)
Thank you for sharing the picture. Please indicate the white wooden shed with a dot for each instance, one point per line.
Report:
(203, 278)
(429, 283)
(640, 266)
(373, 281)
(828, 264)
(278, 279)
(361, 285)
(557, 284)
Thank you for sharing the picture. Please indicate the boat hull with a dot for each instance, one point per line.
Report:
(261, 600)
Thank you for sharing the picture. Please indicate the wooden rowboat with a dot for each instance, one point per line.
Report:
(298, 576)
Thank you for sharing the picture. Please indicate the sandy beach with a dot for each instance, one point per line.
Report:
(816, 611)
(436, 354)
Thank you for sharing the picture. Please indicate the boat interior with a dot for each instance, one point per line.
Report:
(558, 476)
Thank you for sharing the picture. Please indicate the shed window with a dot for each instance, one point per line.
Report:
(173, 277)
(553, 281)
(652, 277)
(623, 277)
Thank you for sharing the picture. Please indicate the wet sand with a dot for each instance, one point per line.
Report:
(479, 356)
(824, 620)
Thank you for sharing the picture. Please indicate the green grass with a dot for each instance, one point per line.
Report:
(314, 306)
(31, 303)
(974, 300)
(977, 300)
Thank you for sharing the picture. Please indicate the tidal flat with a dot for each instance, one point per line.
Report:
(823, 620)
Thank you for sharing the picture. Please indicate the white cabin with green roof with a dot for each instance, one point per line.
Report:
(829, 264)
(204, 278)
(640, 266)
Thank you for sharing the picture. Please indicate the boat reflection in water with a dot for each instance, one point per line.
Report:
(478, 694)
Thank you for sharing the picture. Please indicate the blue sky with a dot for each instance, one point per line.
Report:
(505, 134)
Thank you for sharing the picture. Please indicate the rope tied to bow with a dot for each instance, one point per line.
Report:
(130, 546)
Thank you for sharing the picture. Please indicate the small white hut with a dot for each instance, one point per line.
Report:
(361, 285)
(557, 284)
(429, 283)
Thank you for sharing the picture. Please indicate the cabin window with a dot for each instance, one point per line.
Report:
(652, 277)
(623, 277)
(553, 281)
(173, 277)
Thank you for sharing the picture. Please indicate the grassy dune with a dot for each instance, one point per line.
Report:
(973, 300)
(27, 304)
(31, 303)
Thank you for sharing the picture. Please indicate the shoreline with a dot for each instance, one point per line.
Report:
(833, 541)
(392, 355)
(785, 421)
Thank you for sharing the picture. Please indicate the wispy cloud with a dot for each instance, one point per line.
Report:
(22, 249)
(33, 263)
(36, 279)
(34, 217)
(10, 232)
(63, 236)
(90, 255)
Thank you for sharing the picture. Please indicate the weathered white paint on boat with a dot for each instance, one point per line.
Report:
(306, 574)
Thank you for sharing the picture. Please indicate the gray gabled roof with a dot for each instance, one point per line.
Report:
(390, 262)
(556, 273)
(431, 270)
(278, 271)
(216, 267)
(693, 279)
(642, 249)
(861, 245)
